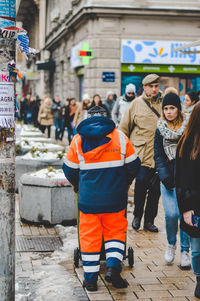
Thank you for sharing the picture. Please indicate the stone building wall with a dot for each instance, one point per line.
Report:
(103, 24)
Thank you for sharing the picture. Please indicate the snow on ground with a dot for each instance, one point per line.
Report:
(52, 279)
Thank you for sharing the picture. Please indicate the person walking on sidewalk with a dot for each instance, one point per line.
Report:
(169, 130)
(58, 115)
(100, 164)
(188, 187)
(139, 123)
(45, 116)
(122, 103)
(109, 102)
(96, 101)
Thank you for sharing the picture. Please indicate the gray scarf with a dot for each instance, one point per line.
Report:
(170, 137)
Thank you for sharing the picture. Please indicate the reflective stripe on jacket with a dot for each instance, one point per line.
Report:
(102, 174)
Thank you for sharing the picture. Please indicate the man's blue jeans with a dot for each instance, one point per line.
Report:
(195, 252)
(172, 216)
(59, 125)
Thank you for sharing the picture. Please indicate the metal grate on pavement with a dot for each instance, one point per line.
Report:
(38, 244)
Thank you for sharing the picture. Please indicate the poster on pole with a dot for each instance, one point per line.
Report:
(7, 8)
(6, 105)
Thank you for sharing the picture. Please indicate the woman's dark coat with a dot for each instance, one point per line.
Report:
(188, 186)
(164, 166)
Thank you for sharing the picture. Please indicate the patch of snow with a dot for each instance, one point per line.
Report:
(49, 173)
(29, 127)
(40, 145)
(43, 157)
(35, 139)
(54, 282)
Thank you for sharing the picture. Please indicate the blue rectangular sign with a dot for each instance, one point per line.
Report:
(108, 76)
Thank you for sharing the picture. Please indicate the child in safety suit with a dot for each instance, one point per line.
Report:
(101, 164)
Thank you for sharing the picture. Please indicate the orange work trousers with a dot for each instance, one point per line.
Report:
(112, 228)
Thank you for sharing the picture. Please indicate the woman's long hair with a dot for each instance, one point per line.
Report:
(93, 102)
(192, 133)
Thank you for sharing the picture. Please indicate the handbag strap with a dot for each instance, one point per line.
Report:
(152, 108)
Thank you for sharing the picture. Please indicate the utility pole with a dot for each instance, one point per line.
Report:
(7, 150)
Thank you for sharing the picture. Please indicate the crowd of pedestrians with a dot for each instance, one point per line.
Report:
(153, 138)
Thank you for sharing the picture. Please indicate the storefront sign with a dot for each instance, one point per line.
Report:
(157, 52)
(6, 105)
(147, 68)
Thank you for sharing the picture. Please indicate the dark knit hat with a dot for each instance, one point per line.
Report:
(97, 111)
(171, 99)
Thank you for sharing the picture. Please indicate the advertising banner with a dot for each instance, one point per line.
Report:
(157, 52)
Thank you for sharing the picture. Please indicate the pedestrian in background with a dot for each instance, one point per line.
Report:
(45, 116)
(109, 102)
(58, 115)
(22, 109)
(139, 124)
(170, 90)
(122, 103)
(30, 110)
(70, 110)
(101, 163)
(169, 130)
(82, 110)
(96, 101)
(191, 98)
(188, 187)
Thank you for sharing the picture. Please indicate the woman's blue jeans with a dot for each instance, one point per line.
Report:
(172, 217)
(195, 252)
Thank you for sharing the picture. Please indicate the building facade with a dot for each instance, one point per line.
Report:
(92, 46)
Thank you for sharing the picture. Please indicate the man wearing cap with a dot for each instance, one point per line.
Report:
(139, 124)
(122, 103)
(100, 164)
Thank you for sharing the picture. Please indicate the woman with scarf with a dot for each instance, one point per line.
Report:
(169, 130)
(191, 98)
(188, 187)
